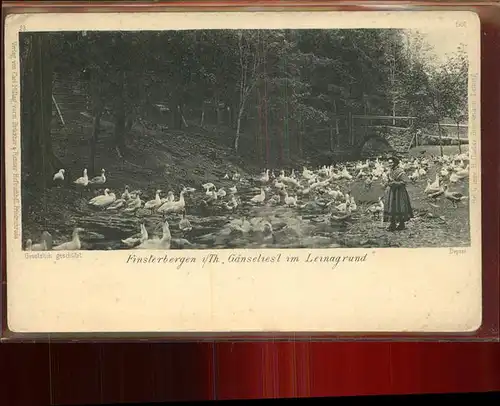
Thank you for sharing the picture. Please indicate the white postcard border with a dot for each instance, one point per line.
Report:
(393, 290)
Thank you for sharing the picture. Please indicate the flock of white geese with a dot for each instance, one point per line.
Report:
(327, 188)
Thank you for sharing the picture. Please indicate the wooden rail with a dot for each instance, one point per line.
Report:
(383, 117)
(455, 126)
(446, 138)
(368, 117)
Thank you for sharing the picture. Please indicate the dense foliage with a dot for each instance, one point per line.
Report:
(284, 94)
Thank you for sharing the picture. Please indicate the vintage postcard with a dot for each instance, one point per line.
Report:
(243, 172)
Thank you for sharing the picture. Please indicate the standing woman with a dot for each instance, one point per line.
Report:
(397, 207)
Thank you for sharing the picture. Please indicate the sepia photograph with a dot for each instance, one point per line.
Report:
(292, 138)
(243, 172)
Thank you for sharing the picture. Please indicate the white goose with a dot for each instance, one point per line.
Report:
(345, 174)
(290, 200)
(103, 200)
(260, 197)
(170, 197)
(73, 245)
(463, 172)
(134, 204)
(208, 186)
(59, 176)
(454, 178)
(377, 209)
(155, 203)
(158, 243)
(306, 173)
(126, 194)
(44, 245)
(353, 206)
(35, 247)
(97, 198)
(83, 180)
(264, 178)
(233, 204)
(174, 207)
(118, 203)
(289, 180)
(136, 240)
(99, 180)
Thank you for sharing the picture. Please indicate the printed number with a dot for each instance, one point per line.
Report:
(461, 24)
(22, 28)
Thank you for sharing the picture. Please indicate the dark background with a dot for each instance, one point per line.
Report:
(42, 374)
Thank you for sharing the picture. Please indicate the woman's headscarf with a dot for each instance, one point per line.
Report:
(395, 161)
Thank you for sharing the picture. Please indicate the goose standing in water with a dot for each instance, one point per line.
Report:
(35, 247)
(29, 245)
(44, 245)
(135, 240)
(158, 243)
(73, 245)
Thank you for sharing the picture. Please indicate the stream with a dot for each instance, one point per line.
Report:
(214, 226)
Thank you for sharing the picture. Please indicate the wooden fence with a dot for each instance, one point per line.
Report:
(351, 118)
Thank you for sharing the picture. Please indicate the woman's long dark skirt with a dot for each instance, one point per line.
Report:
(397, 205)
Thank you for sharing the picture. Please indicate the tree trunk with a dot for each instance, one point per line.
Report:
(95, 138)
(202, 119)
(129, 123)
(238, 129)
(336, 120)
(350, 129)
(95, 85)
(119, 113)
(365, 121)
(331, 138)
(300, 133)
(58, 111)
(234, 114)
(440, 138)
(458, 138)
(217, 110)
(36, 102)
(178, 118)
(120, 132)
(184, 122)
